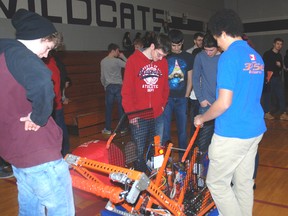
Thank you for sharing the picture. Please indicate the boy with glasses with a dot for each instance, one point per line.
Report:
(145, 86)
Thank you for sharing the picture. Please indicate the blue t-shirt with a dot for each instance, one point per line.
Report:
(179, 65)
(241, 70)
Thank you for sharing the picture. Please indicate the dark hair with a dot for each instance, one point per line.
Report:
(163, 42)
(198, 34)
(226, 20)
(209, 41)
(278, 39)
(127, 34)
(138, 35)
(138, 41)
(112, 46)
(244, 37)
(196, 51)
(176, 36)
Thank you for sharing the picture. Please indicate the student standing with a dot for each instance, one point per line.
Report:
(145, 85)
(239, 124)
(58, 111)
(198, 42)
(180, 84)
(273, 85)
(111, 79)
(204, 85)
(30, 140)
(194, 104)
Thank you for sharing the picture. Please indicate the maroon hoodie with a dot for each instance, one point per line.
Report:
(26, 88)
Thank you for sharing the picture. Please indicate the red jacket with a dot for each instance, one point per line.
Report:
(145, 84)
(51, 64)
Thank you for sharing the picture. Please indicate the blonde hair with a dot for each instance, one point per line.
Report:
(56, 37)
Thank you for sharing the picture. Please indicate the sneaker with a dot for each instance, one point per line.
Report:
(105, 131)
(6, 172)
(269, 116)
(284, 116)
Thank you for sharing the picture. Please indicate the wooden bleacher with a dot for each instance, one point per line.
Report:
(85, 114)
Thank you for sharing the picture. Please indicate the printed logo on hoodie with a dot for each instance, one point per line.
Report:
(150, 74)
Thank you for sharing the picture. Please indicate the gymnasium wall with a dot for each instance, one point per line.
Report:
(263, 21)
(92, 24)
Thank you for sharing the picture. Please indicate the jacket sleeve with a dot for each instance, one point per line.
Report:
(128, 87)
(166, 88)
(267, 61)
(121, 63)
(51, 64)
(197, 70)
(35, 77)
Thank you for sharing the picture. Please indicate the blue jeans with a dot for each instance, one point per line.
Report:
(194, 110)
(276, 90)
(58, 116)
(179, 107)
(143, 135)
(112, 92)
(205, 133)
(43, 186)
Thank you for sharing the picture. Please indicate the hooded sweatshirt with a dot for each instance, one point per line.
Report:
(145, 84)
(26, 88)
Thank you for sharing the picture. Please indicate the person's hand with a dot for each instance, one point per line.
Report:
(134, 121)
(66, 101)
(278, 63)
(121, 55)
(198, 121)
(29, 124)
(67, 84)
(205, 103)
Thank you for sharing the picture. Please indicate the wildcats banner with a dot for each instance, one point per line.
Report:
(102, 13)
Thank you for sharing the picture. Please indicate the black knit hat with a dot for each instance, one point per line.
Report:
(30, 25)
